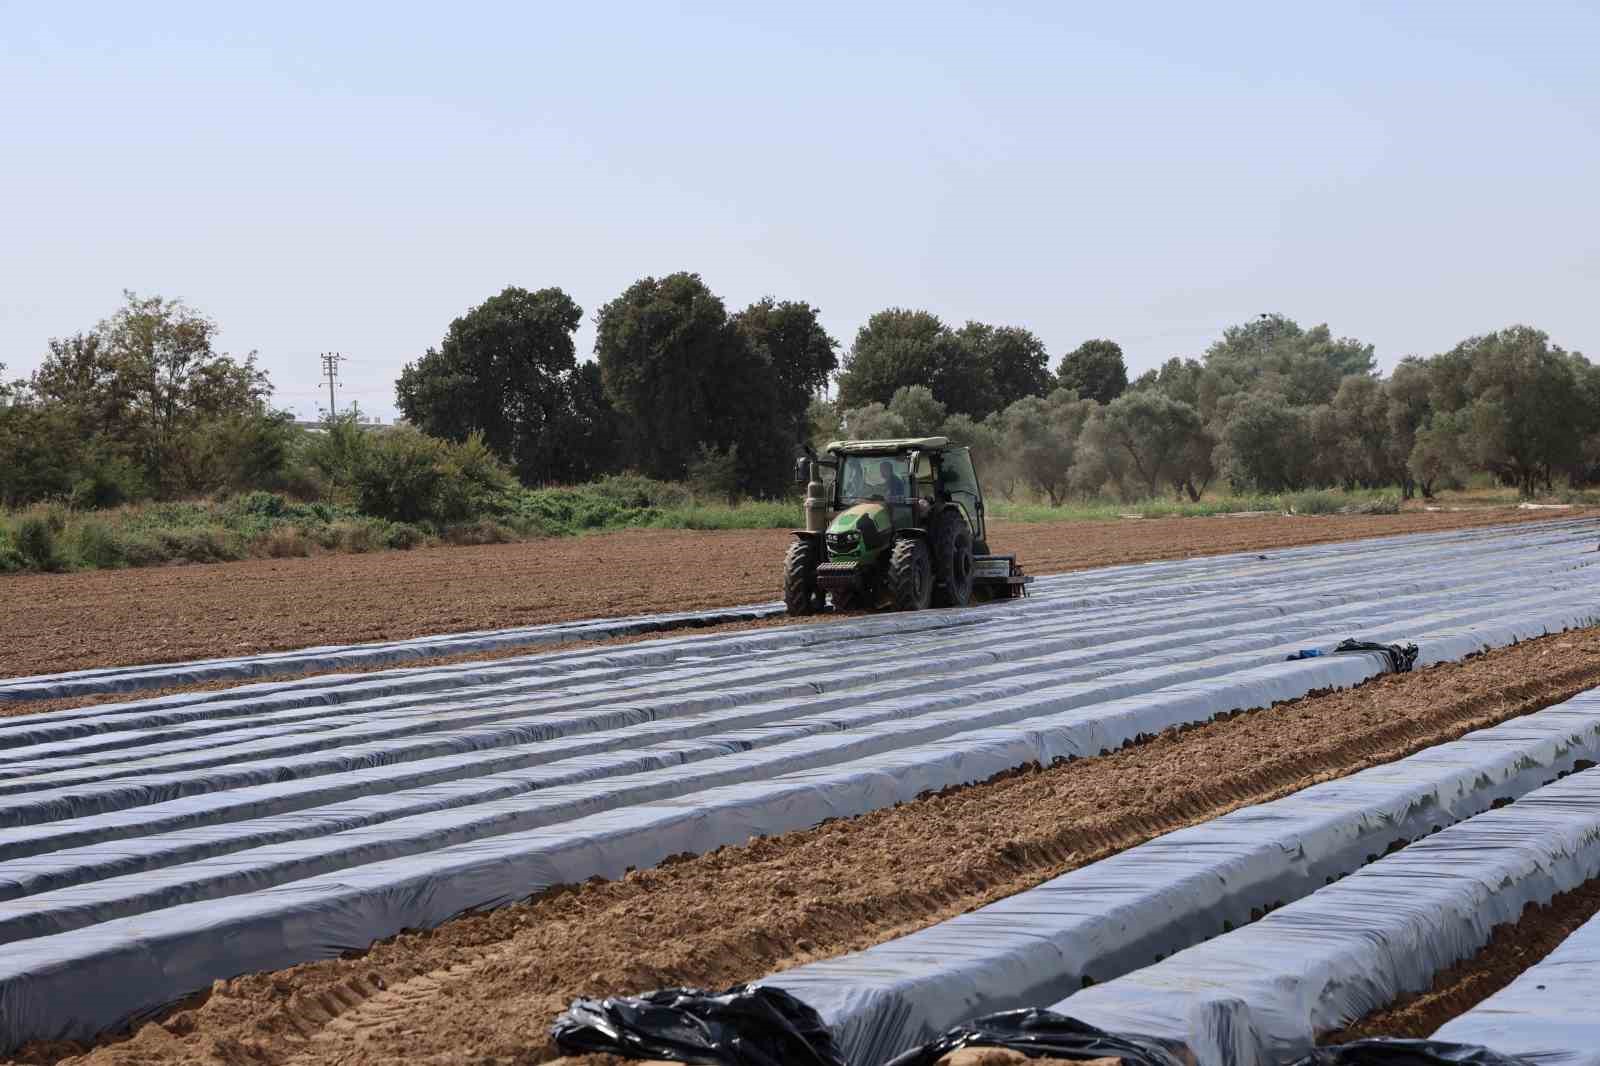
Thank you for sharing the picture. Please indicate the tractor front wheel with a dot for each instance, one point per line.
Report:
(911, 574)
(800, 577)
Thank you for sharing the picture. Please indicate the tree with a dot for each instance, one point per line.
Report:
(1095, 370)
(1408, 388)
(161, 372)
(1439, 453)
(899, 347)
(683, 374)
(802, 354)
(501, 372)
(1269, 445)
(1013, 362)
(1361, 410)
(1156, 433)
(1039, 435)
(1274, 354)
(580, 442)
(1526, 417)
(922, 415)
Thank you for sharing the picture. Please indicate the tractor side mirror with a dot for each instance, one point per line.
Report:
(802, 470)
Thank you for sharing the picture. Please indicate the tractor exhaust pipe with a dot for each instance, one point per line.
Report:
(817, 502)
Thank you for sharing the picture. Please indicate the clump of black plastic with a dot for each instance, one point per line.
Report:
(1383, 1051)
(1402, 657)
(748, 1025)
(1040, 1033)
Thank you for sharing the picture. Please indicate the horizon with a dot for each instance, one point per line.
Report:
(317, 180)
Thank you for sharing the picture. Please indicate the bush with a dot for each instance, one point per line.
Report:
(99, 548)
(36, 543)
(483, 531)
(1385, 504)
(1315, 503)
(286, 542)
(404, 536)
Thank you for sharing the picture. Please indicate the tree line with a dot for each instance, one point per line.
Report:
(680, 388)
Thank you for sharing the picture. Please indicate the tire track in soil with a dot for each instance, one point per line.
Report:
(484, 988)
(1513, 947)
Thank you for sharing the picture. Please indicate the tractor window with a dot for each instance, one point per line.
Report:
(873, 477)
(957, 477)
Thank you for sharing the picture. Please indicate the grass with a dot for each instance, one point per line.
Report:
(265, 525)
(1362, 501)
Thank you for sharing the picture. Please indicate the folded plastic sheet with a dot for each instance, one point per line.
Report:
(1134, 908)
(1548, 1015)
(1260, 995)
(104, 967)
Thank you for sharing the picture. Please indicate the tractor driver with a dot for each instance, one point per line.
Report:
(892, 485)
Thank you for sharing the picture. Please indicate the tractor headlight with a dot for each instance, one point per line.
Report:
(843, 543)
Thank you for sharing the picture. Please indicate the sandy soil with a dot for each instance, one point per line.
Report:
(484, 989)
(55, 622)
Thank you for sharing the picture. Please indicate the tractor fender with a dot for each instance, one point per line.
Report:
(806, 534)
(911, 533)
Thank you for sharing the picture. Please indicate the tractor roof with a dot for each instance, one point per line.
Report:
(888, 447)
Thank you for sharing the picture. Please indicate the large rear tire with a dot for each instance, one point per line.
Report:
(952, 561)
(800, 577)
(911, 574)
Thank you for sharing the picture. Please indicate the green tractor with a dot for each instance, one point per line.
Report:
(901, 525)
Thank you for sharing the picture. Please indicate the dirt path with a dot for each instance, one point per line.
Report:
(1512, 949)
(484, 989)
(55, 622)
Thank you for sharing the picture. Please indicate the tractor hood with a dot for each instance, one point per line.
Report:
(860, 531)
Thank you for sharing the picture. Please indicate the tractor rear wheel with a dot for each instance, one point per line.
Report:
(952, 561)
(800, 577)
(911, 574)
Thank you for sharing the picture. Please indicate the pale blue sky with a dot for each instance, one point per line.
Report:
(331, 176)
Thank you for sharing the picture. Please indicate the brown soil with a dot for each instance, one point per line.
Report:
(1513, 948)
(484, 989)
(56, 622)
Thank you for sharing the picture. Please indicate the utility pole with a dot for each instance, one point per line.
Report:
(330, 370)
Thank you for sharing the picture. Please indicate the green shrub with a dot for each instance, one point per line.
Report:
(262, 504)
(98, 547)
(1386, 504)
(404, 536)
(360, 536)
(483, 531)
(1315, 503)
(635, 491)
(286, 542)
(36, 542)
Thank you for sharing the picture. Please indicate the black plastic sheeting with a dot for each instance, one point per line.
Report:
(1040, 1033)
(748, 1025)
(1387, 1052)
(756, 1025)
(1402, 657)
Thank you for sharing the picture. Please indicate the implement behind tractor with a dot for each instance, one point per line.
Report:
(901, 524)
